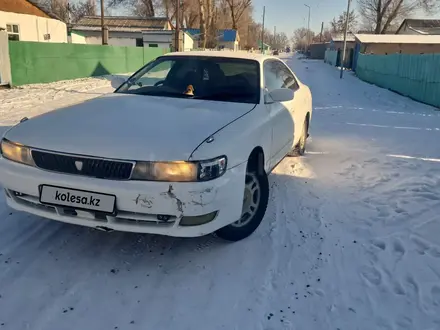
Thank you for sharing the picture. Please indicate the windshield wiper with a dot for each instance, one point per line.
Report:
(227, 96)
(158, 93)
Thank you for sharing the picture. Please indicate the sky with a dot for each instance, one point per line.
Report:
(289, 15)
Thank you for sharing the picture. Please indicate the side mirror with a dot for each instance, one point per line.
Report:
(117, 81)
(280, 95)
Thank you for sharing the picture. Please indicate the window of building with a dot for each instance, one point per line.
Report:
(13, 31)
(139, 42)
(153, 45)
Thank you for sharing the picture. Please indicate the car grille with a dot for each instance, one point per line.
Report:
(92, 167)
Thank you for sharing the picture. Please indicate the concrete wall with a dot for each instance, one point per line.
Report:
(188, 42)
(124, 39)
(76, 38)
(231, 45)
(33, 28)
(163, 39)
(384, 49)
(5, 68)
(340, 44)
(33, 62)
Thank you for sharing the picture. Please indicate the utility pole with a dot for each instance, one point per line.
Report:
(69, 16)
(322, 30)
(248, 35)
(345, 39)
(177, 32)
(103, 28)
(308, 28)
(274, 36)
(262, 31)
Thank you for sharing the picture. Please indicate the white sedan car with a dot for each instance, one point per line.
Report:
(182, 148)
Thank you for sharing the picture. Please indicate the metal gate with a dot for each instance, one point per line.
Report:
(5, 65)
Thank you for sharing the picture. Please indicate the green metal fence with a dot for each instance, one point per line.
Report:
(331, 57)
(415, 76)
(38, 62)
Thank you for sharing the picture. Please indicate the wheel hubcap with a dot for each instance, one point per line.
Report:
(251, 200)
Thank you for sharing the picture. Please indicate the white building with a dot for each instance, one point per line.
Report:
(122, 31)
(23, 20)
(165, 39)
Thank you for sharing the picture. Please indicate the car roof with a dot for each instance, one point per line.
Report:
(226, 54)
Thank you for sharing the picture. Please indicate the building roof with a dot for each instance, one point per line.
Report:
(397, 39)
(35, 8)
(223, 35)
(230, 54)
(121, 23)
(340, 37)
(424, 25)
(44, 8)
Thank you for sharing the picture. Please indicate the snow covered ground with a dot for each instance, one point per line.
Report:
(32, 100)
(350, 240)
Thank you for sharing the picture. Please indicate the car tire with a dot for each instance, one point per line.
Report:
(300, 148)
(256, 199)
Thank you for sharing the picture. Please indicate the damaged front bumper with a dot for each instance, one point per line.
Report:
(172, 209)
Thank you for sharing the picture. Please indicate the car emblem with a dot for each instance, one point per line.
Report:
(78, 165)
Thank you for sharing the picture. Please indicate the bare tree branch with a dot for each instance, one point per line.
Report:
(383, 15)
(141, 8)
(237, 8)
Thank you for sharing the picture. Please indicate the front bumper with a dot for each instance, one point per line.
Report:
(137, 203)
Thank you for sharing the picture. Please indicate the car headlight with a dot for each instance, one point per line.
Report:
(16, 152)
(180, 171)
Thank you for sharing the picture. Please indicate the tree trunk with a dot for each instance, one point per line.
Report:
(391, 17)
(209, 22)
(378, 17)
(149, 8)
(233, 13)
(202, 24)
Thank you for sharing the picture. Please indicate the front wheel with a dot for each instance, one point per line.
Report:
(255, 199)
(300, 148)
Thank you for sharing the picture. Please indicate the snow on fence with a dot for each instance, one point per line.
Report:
(38, 62)
(331, 56)
(415, 76)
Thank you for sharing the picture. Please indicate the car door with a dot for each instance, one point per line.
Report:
(297, 107)
(280, 112)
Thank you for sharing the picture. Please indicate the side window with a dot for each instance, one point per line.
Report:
(156, 74)
(272, 76)
(288, 78)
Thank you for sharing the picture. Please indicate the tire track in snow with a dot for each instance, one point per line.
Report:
(296, 242)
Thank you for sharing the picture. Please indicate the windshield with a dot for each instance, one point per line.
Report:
(197, 77)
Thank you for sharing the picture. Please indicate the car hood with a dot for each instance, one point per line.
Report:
(133, 127)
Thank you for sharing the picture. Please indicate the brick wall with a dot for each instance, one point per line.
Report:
(21, 7)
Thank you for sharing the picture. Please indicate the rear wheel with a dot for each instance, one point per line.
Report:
(300, 148)
(255, 199)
